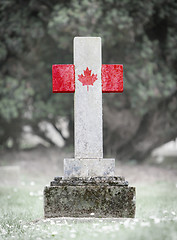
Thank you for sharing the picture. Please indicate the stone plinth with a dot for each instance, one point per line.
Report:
(74, 167)
(89, 197)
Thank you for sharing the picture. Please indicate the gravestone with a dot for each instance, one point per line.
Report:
(89, 187)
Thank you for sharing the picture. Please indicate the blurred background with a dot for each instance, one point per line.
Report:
(37, 126)
(141, 35)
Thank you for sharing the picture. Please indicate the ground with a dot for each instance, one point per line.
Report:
(24, 174)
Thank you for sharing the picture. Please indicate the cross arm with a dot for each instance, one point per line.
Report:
(112, 78)
(63, 77)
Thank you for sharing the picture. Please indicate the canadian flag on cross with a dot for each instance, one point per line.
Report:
(88, 78)
(64, 78)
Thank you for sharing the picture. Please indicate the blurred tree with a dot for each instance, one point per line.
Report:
(140, 34)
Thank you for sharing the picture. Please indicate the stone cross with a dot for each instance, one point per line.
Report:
(89, 187)
(88, 78)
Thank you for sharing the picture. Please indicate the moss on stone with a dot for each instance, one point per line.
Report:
(81, 201)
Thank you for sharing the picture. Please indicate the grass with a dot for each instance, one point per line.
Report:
(21, 216)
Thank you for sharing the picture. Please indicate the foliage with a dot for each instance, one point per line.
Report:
(36, 34)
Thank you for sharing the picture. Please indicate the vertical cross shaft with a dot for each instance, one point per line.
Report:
(88, 161)
(88, 102)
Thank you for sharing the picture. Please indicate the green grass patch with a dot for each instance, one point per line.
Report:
(21, 216)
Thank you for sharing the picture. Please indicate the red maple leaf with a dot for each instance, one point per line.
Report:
(87, 79)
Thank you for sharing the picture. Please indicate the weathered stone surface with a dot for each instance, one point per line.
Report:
(94, 181)
(81, 201)
(88, 167)
(88, 99)
(69, 199)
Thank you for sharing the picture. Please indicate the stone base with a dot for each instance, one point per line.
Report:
(106, 197)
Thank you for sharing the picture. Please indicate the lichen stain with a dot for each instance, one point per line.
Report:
(80, 201)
